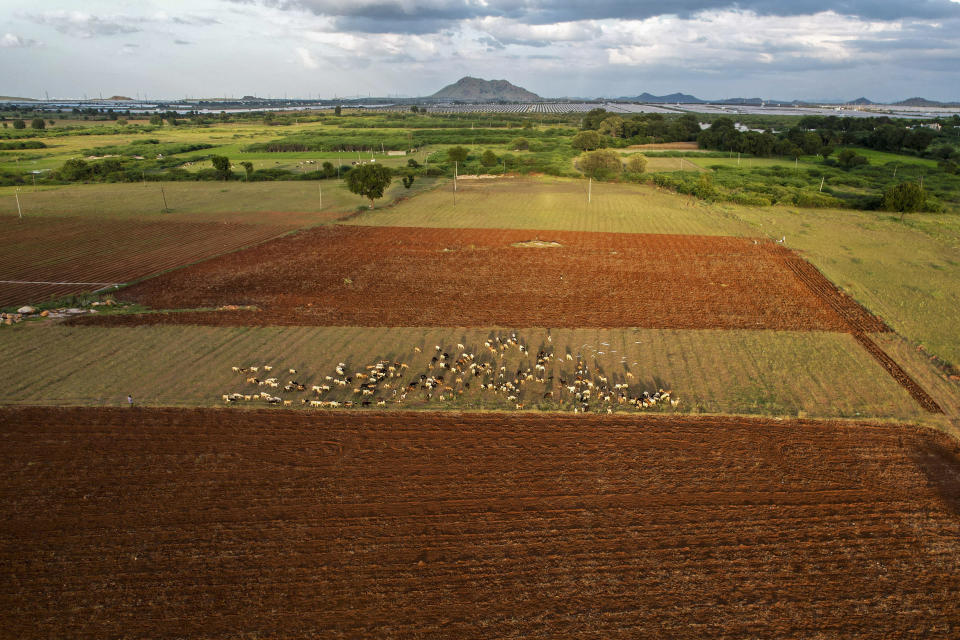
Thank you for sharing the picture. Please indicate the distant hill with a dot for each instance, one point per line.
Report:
(861, 101)
(15, 99)
(479, 90)
(923, 102)
(119, 98)
(674, 98)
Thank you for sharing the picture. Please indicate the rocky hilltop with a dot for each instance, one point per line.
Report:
(478, 90)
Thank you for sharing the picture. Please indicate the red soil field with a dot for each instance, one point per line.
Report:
(88, 254)
(371, 276)
(206, 523)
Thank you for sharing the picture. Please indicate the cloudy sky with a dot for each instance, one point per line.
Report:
(813, 49)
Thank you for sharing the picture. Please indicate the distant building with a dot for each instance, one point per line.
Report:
(396, 153)
(933, 125)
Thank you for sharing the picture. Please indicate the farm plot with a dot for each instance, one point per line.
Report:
(496, 278)
(535, 204)
(49, 257)
(203, 524)
(733, 371)
(300, 203)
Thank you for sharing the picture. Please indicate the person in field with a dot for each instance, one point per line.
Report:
(129, 400)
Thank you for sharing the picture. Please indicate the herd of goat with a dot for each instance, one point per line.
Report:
(540, 380)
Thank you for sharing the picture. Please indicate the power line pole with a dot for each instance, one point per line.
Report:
(589, 189)
(16, 194)
(164, 196)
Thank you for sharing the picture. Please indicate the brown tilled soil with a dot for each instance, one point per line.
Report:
(87, 254)
(679, 146)
(232, 524)
(371, 276)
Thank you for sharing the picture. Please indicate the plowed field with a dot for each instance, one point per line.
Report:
(172, 523)
(43, 257)
(373, 276)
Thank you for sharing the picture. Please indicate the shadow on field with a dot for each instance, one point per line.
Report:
(939, 460)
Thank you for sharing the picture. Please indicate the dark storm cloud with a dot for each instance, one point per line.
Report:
(428, 16)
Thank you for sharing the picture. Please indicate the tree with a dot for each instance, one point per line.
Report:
(812, 143)
(904, 197)
(637, 163)
(586, 141)
(337, 110)
(412, 163)
(74, 169)
(848, 158)
(489, 158)
(414, 109)
(369, 181)
(593, 118)
(408, 181)
(611, 126)
(156, 120)
(248, 167)
(457, 154)
(38, 123)
(519, 144)
(600, 164)
(222, 165)
(19, 124)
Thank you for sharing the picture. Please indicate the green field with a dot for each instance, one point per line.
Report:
(559, 204)
(749, 372)
(907, 273)
(198, 200)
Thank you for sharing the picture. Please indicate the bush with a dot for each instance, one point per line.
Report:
(74, 169)
(637, 163)
(19, 124)
(600, 164)
(848, 159)
(904, 197)
(38, 123)
(519, 144)
(817, 200)
(489, 158)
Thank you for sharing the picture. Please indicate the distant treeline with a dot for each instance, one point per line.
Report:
(339, 140)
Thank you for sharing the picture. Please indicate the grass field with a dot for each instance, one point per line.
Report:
(197, 201)
(749, 372)
(559, 204)
(907, 273)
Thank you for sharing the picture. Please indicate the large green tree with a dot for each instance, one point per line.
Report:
(586, 141)
(369, 181)
(600, 164)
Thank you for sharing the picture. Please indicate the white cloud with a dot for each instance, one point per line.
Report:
(306, 58)
(10, 40)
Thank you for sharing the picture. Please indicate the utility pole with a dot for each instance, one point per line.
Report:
(589, 189)
(164, 196)
(822, 178)
(16, 194)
